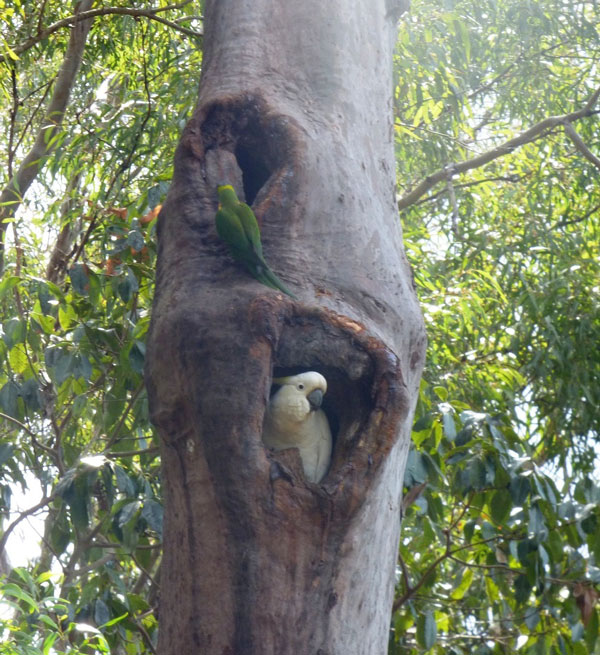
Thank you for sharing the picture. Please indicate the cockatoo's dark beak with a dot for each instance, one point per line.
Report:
(315, 398)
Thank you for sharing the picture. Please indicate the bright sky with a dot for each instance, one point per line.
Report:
(23, 544)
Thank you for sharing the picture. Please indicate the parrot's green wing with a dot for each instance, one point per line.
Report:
(237, 226)
(230, 229)
(271, 280)
(250, 225)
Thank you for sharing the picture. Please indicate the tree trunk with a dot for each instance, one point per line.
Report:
(295, 108)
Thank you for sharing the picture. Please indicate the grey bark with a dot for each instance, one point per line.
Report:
(295, 107)
(13, 193)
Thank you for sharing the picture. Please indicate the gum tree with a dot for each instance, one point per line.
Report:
(296, 567)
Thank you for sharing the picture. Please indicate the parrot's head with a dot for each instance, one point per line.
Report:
(311, 386)
(227, 195)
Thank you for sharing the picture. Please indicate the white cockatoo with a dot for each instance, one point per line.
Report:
(294, 420)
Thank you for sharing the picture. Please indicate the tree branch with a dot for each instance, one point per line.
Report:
(447, 554)
(513, 179)
(579, 219)
(105, 11)
(453, 202)
(13, 119)
(529, 135)
(13, 193)
(580, 145)
(33, 437)
(23, 515)
(59, 257)
(132, 453)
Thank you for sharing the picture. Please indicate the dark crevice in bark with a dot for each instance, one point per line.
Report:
(261, 141)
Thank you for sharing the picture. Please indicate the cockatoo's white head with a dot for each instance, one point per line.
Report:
(300, 393)
(306, 384)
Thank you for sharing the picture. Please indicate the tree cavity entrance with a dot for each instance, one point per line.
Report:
(362, 402)
(261, 141)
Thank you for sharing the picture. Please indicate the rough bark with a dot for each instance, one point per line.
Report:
(295, 107)
(13, 193)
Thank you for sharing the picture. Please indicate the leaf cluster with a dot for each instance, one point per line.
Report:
(500, 547)
(75, 297)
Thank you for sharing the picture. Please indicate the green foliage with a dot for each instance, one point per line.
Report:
(500, 540)
(75, 298)
(42, 623)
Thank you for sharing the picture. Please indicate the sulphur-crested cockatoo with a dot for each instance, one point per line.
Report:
(294, 420)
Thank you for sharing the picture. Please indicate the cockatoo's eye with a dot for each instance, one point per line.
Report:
(300, 386)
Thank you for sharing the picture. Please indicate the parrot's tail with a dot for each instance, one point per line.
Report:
(271, 280)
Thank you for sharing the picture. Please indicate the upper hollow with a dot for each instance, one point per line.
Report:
(260, 140)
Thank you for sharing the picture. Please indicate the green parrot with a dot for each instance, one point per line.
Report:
(237, 227)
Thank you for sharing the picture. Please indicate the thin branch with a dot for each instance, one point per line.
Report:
(453, 202)
(111, 544)
(13, 119)
(104, 11)
(463, 510)
(59, 257)
(529, 135)
(486, 567)
(405, 575)
(17, 271)
(96, 564)
(132, 453)
(186, 19)
(428, 571)
(428, 130)
(41, 16)
(33, 437)
(447, 554)
(142, 630)
(23, 515)
(495, 178)
(93, 220)
(126, 162)
(70, 573)
(177, 5)
(153, 585)
(114, 437)
(143, 570)
(35, 111)
(520, 58)
(579, 219)
(580, 145)
(486, 86)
